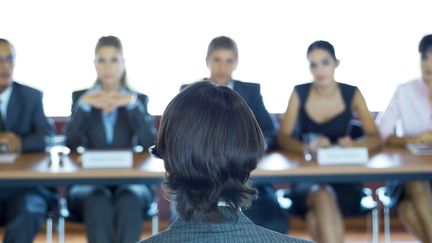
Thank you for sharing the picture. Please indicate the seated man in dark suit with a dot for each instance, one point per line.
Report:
(210, 142)
(222, 57)
(23, 127)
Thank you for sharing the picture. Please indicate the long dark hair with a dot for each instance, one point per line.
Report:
(210, 142)
(115, 42)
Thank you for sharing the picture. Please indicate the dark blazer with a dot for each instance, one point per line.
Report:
(26, 118)
(132, 127)
(251, 93)
(239, 231)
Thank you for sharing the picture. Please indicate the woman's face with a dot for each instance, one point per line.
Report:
(426, 66)
(322, 66)
(109, 65)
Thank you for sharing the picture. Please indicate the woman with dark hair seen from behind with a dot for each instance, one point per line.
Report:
(210, 142)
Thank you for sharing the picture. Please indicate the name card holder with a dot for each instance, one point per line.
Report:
(107, 159)
(342, 156)
(8, 158)
(420, 149)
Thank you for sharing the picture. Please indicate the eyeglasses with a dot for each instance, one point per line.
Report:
(152, 150)
(9, 59)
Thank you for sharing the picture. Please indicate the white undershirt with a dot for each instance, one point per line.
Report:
(4, 101)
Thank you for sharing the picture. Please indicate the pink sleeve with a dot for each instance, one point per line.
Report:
(387, 121)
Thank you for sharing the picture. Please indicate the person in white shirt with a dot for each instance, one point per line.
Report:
(410, 110)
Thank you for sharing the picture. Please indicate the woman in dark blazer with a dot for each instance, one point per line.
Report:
(210, 142)
(110, 115)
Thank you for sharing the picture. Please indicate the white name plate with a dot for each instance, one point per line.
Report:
(105, 159)
(420, 149)
(342, 156)
(8, 158)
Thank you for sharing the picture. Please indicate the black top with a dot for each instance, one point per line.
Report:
(335, 128)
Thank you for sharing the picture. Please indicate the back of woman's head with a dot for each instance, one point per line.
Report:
(210, 142)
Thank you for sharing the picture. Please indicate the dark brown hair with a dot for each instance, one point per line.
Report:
(12, 48)
(222, 42)
(425, 46)
(210, 142)
(115, 42)
(324, 45)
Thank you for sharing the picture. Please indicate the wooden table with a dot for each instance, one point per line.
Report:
(383, 165)
(387, 164)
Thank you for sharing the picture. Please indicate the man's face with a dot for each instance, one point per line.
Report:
(7, 61)
(222, 63)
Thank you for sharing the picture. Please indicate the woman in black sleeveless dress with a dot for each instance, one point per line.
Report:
(326, 107)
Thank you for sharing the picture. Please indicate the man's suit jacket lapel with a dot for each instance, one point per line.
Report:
(242, 91)
(14, 109)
